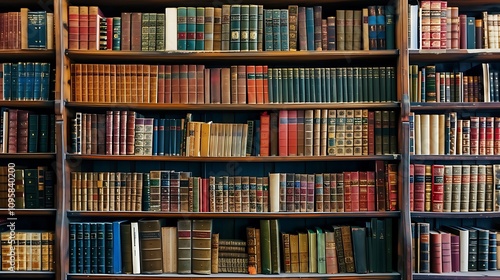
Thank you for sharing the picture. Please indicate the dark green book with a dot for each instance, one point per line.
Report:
(52, 133)
(340, 82)
(145, 32)
(276, 29)
(430, 84)
(388, 245)
(235, 27)
(350, 84)
(345, 86)
(284, 85)
(384, 96)
(31, 200)
(244, 27)
(376, 84)
(271, 85)
(265, 244)
(181, 28)
(43, 134)
(160, 32)
(117, 31)
(386, 135)
(291, 89)
(275, 246)
(371, 91)
(200, 29)
(471, 33)
(356, 84)
(312, 85)
(253, 27)
(268, 33)
(389, 27)
(381, 237)
(363, 74)
(296, 85)
(359, 249)
(323, 85)
(302, 85)
(390, 84)
(318, 85)
(378, 132)
(49, 189)
(152, 32)
(33, 133)
(279, 81)
(328, 84)
(307, 80)
(393, 133)
(333, 85)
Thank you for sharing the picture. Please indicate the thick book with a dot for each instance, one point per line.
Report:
(150, 244)
(201, 247)
(184, 246)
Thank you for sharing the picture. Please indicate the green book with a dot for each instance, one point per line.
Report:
(296, 85)
(356, 83)
(359, 249)
(333, 85)
(276, 29)
(389, 27)
(191, 29)
(350, 84)
(117, 31)
(364, 84)
(181, 28)
(321, 245)
(376, 84)
(152, 32)
(268, 32)
(384, 95)
(275, 247)
(284, 30)
(307, 82)
(160, 32)
(313, 251)
(284, 85)
(253, 29)
(324, 89)
(345, 92)
(291, 89)
(235, 27)
(279, 82)
(371, 91)
(265, 245)
(312, 84)
(244, 27)
(328, 89)
(390, 88)
(145, 32)
(200, 29)
(340, 82)
(43, 133)
(271, 84)
(388, 245)
(302, 85)
(33, 133)
(317, 85)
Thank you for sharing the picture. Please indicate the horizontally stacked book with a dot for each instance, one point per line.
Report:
(232, 27)
(171, 191)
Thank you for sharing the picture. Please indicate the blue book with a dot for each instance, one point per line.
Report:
(284, 29)
(324, 90)
(93, 245)
(117, 253)
(7, 81)
(72, 247)
(161, 137)
(33, 33)
(200, 29)
(181, 28)
(155, 137)
(21, 80)
(268, 29)
(29, 84)
(372, 27)
(45, 86)
(178, 137)
(87, 249)
(170, 137)
(14, 76)
(166, 138)
(310, 28)
(42, 29)
(276, 29)
(101, 248)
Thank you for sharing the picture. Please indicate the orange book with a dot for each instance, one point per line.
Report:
(95, 77)
(175, 86)
(85, 93)
(259, 84)
(265, 84)
(84, 28)
(73, 27)
(265, 122)
(161, 84)
(251, 84)
(78, 83)
(242, 85)
(140, 83)
(191, 81)
(283, 133)
(133, 83)
(183, 84)
(127, 85)
(90, 82)
(123, 84)
(168, 84)
(200, 84)
(292, 133)
(234, 84)
(146, 94)
(101, 82)
(112, 83)
(153, 84)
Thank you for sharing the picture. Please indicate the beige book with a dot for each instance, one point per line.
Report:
(274, 192)
(418, 135)
(441, 134)
(434, 134)
(215, 253)
(24, 28)
(366, 43)
(169, 249)
(425, 140)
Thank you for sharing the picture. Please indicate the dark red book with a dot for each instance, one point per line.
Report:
(101, 134)
(355, 191)
(436, 258)
(363, 191)
(455, 253)
(251, 84)
(176, 96)
(283, 133)
(93, 127)
(463, 31)
(73, 28)
(123, 132)
(380, 185)
(446, 251)
(347, 192)
(215, 85)
(259, 84)
(200, 84)
(109, 35)
(22, 131)
(372, 197)
(437, 188)
(292, 133)
(125, 32)
(135, 31)
(242, 84)
(265, 84)
(302, 29)
(412, 187)
(116, 132)
(84, 28)
(109, 132)
(392, 186)
(371, 133)
(419, 189)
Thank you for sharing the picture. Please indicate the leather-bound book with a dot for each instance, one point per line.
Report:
(184, 246)
(201, 247)
(215, 253)
(437, 187)
(435, 252)
(424, 248)
(22, 131)
(359, 249)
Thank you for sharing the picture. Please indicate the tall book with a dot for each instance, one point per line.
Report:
(184, 246)
(151, 247)
(201, 247)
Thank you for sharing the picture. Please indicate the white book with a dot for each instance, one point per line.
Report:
(425, 140)
(170, 29)
(418, 136)
(136, 250)
(414, 32)
(486, 82)
(274, 192)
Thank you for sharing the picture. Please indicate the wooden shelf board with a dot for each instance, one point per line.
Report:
(175, 3)
(232, 107)
(453, 106)
(293, 276)
(29, 212)
(27, 275)
(28, 156)
(455, 157)
(199, 56)
(139, 214)
(432, 56)
(458, 275)
(27, 55)
(455, 215)
(26, 104)
(233, 159)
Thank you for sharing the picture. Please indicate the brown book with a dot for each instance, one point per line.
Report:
(356, 31)
(347, 246)
(135, 31)
(12, 131)
(302, 44)
(293, 17)
(349, 30)
(215, 85)
(215, 253)
(201, 247)
(330, 253)
(340, 27)
(150, 234)
(125, 31)
(286, 247)
(225, 86)
(169, 249)
(184, 246)
(126, 248)
(251, 250)
(217, 27)
(455, 28)
(259, 256)
(294, 253)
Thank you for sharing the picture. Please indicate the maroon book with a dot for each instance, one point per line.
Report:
(419, 189)
(380, 185)
(22, 131)
(109, 132)
(463, 31)
(455, 252)
(436, 252)
(446, 251)
(116, 132)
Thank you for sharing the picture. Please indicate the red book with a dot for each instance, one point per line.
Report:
(444, 8)
(184, 84)
(455, 252)
(292, 133)
(176, 96)
(123, 132)
(419, 189)
(363, 191)
(130, 142)
(265, 122)
(463, 31)
(251, 84)
(446, 251)
(380, 185)
(482, 135)
(242, 85)
(192, 84)
(116, 132)
(168, 84)
(436, 252)
(371, 197)
(161, 84)
(283, 133)
(215, 85)
(109, 132)
(200, 84)
(347, 192)
(412, 187)
(490, 139)
(474, 135)
(437, 187)
(259, 84)
(265, 84)
(225, 85)
(84, 28)
(94, 17)
(73, 28)
(371, 133)
(109, 36)
(355, 191)
(22, 131)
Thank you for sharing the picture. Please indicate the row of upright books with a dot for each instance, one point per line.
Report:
(434, 25)
(284, 133)
(232, 28)
(445, 134)
(174, 191)
(453, 249)
(238, 84)
(28, 81)
(26, 132)
(27, 30)
(33, 251)
(34, 188)
(192, 247)
(454, 188)
(474, 85)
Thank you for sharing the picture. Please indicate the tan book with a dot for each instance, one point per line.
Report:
(481, 188)
(36, 251)
(312, 251)
(215, 253)
(448, 188)
(488, 204)
(201, 246)
(217, 29)
(330, 253)
(303, 252)
(169, 249)
(357, 33)
(209, 28)
(294, 253)
(425, 137)
(45, 251)
(4, 239)
(285, 246)
(441, 132)
(24, 28)
(365, 39)
(434, 133)
(20, 251)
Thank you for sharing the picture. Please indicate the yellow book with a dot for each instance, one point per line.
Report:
(205, 139)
